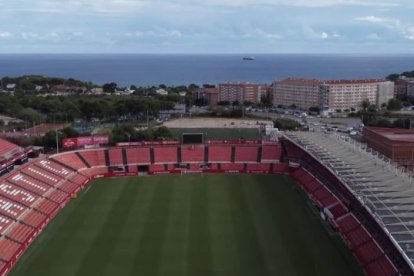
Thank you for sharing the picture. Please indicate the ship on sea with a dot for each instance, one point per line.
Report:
(248, 58)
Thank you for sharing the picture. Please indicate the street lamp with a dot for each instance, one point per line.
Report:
(57, 140)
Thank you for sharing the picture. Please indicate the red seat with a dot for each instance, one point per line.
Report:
(357, 236)
(20, 232)
(8, 249)
(138, 155)
(218, 153)
(18, 194)
(246, 153)
(8, 150)
(271, 152)
(347, 223)
(70, 159)
(11, 209)
(165, 154)
(115, 157)
(29, 183)
(192, 154)
(90, 172)
(5, 223)
(381, 267)
(34, 218)
(94, 157)
(337, 210)
(46, 206)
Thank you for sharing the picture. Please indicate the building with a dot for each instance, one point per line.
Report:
(241, 92)
(206, 96)
(331, 95)
(302, 93)
(349, 94)
(396, 144)
(161, 92)
(410, 88)
(404, 86)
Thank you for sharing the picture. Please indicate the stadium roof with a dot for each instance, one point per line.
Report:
(386, 191)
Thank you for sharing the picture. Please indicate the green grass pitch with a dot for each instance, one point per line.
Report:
(188, 225)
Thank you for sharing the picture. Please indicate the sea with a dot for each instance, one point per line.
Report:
(185, 69)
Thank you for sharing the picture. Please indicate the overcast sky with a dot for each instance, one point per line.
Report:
(208, 26)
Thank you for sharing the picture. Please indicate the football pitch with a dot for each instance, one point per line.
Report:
(188, 225)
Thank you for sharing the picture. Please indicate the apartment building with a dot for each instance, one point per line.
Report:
(348, 94)
(208, 95)
(241, 92)
(302, 93)
(331, 95)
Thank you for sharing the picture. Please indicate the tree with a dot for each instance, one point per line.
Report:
(265, 101)
(69, 132)
(393, 104)
(393, 77)
(365, 104)
(162, 133)
(314, 109)
(110, 87)
(285, 124)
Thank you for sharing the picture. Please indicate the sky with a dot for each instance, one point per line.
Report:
(208, 26)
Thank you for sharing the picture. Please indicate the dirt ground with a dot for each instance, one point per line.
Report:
(215, 123)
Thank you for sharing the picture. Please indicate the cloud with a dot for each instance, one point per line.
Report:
(406, 30)
(130, 6)
(386, 22)
(324, 35)
(311, 33)
(304, 3)
(374, 36)
(5, 34)
(409, 33)
(157, 33)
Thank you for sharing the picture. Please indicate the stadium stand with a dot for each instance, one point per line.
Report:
(94, 157)
(218, 153)
(5, 223)
(8, 150)
(192, 154)
(115, 157)
(33, 218)
(20, 233)
(10, 155)
(246, 154)
(8, 249)
(139, 155)
(37, 191)
(271, 153)
(165, 154)
(343, 168)
(70, 159)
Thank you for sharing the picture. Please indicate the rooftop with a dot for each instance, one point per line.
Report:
(299, 81)
(394, 134)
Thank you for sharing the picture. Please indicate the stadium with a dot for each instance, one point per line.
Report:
(357, 195)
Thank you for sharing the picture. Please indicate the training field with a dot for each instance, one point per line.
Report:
(220, 133)
(188, 225)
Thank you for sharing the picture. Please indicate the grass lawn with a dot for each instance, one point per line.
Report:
(188, 225)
